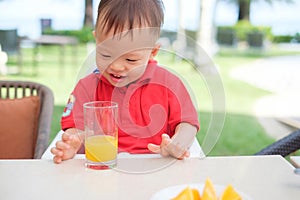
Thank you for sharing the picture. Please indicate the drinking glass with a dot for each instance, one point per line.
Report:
(101, 134)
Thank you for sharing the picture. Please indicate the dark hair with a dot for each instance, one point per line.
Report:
(117, 15)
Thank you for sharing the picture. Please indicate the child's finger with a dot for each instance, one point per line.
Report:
(57, 159)
(66, 137)
(62, 145)
(56, 152)
(185, 155)
(165, 137)
(72, 140)
(154, 148)
(176, 150)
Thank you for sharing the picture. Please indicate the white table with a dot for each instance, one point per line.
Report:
(261, 177)
(57, 40)
(195, 150)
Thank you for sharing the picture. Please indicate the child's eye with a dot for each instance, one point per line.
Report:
(131, 60)
(105, 56)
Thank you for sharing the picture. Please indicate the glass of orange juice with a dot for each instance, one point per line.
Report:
(101, 134)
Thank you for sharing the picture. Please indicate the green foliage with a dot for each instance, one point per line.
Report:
(244, 27)
(84, 35)
(286, 38)
(282, 38)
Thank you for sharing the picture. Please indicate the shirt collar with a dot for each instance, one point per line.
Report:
(149, 72)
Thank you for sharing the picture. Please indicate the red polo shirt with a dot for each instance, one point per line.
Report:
(149, 107)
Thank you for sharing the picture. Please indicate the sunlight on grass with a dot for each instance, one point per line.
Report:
(242, 134)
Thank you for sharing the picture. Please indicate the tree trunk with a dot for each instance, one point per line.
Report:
(206, 31)
(181, 37)
(88, 14)
(244, 10)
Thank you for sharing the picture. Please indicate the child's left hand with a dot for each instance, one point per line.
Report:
(169, 148)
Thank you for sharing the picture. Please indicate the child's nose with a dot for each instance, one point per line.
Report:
(117, 66)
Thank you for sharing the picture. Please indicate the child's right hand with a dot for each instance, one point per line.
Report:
(68, 146)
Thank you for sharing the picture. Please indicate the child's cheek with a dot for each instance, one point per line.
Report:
(102, 64)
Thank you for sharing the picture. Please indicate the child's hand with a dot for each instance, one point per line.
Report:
(169, 148)
(67, 147)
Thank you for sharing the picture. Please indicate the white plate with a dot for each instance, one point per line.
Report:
(173, 191)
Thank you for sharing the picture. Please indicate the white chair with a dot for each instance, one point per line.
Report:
(195, 151)
(3, 61)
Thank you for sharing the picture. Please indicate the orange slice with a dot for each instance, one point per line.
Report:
(188, 194)
(209, 192)
(184, 194)
(230, 194)
(196, 194)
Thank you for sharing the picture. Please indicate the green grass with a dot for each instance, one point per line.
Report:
(241, 134)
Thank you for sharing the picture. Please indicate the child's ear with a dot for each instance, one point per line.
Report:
(154, 51)
(94, 34)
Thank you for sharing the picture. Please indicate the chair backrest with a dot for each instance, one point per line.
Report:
(23, 89)
(284, 147)
(46, 24)
(9, 41)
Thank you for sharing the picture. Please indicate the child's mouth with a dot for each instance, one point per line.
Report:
(116, 78)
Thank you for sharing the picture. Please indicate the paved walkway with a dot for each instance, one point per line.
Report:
(279, 113)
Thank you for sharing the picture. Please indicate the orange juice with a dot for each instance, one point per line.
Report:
(101, 148)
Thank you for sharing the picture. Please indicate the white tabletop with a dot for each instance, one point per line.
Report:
(260, 177)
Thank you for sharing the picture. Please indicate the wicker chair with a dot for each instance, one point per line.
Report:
(284, 146)
(20, 89)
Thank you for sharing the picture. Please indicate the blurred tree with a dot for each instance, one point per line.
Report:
(88, 14)
(244, 7)
(204, 33)
(244, 10)
(206, 30)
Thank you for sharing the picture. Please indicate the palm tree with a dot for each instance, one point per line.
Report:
(244, 10)
(88, 14)
(244, 7)
(206, 30)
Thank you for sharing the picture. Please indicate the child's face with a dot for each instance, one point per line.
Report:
(122, 59)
